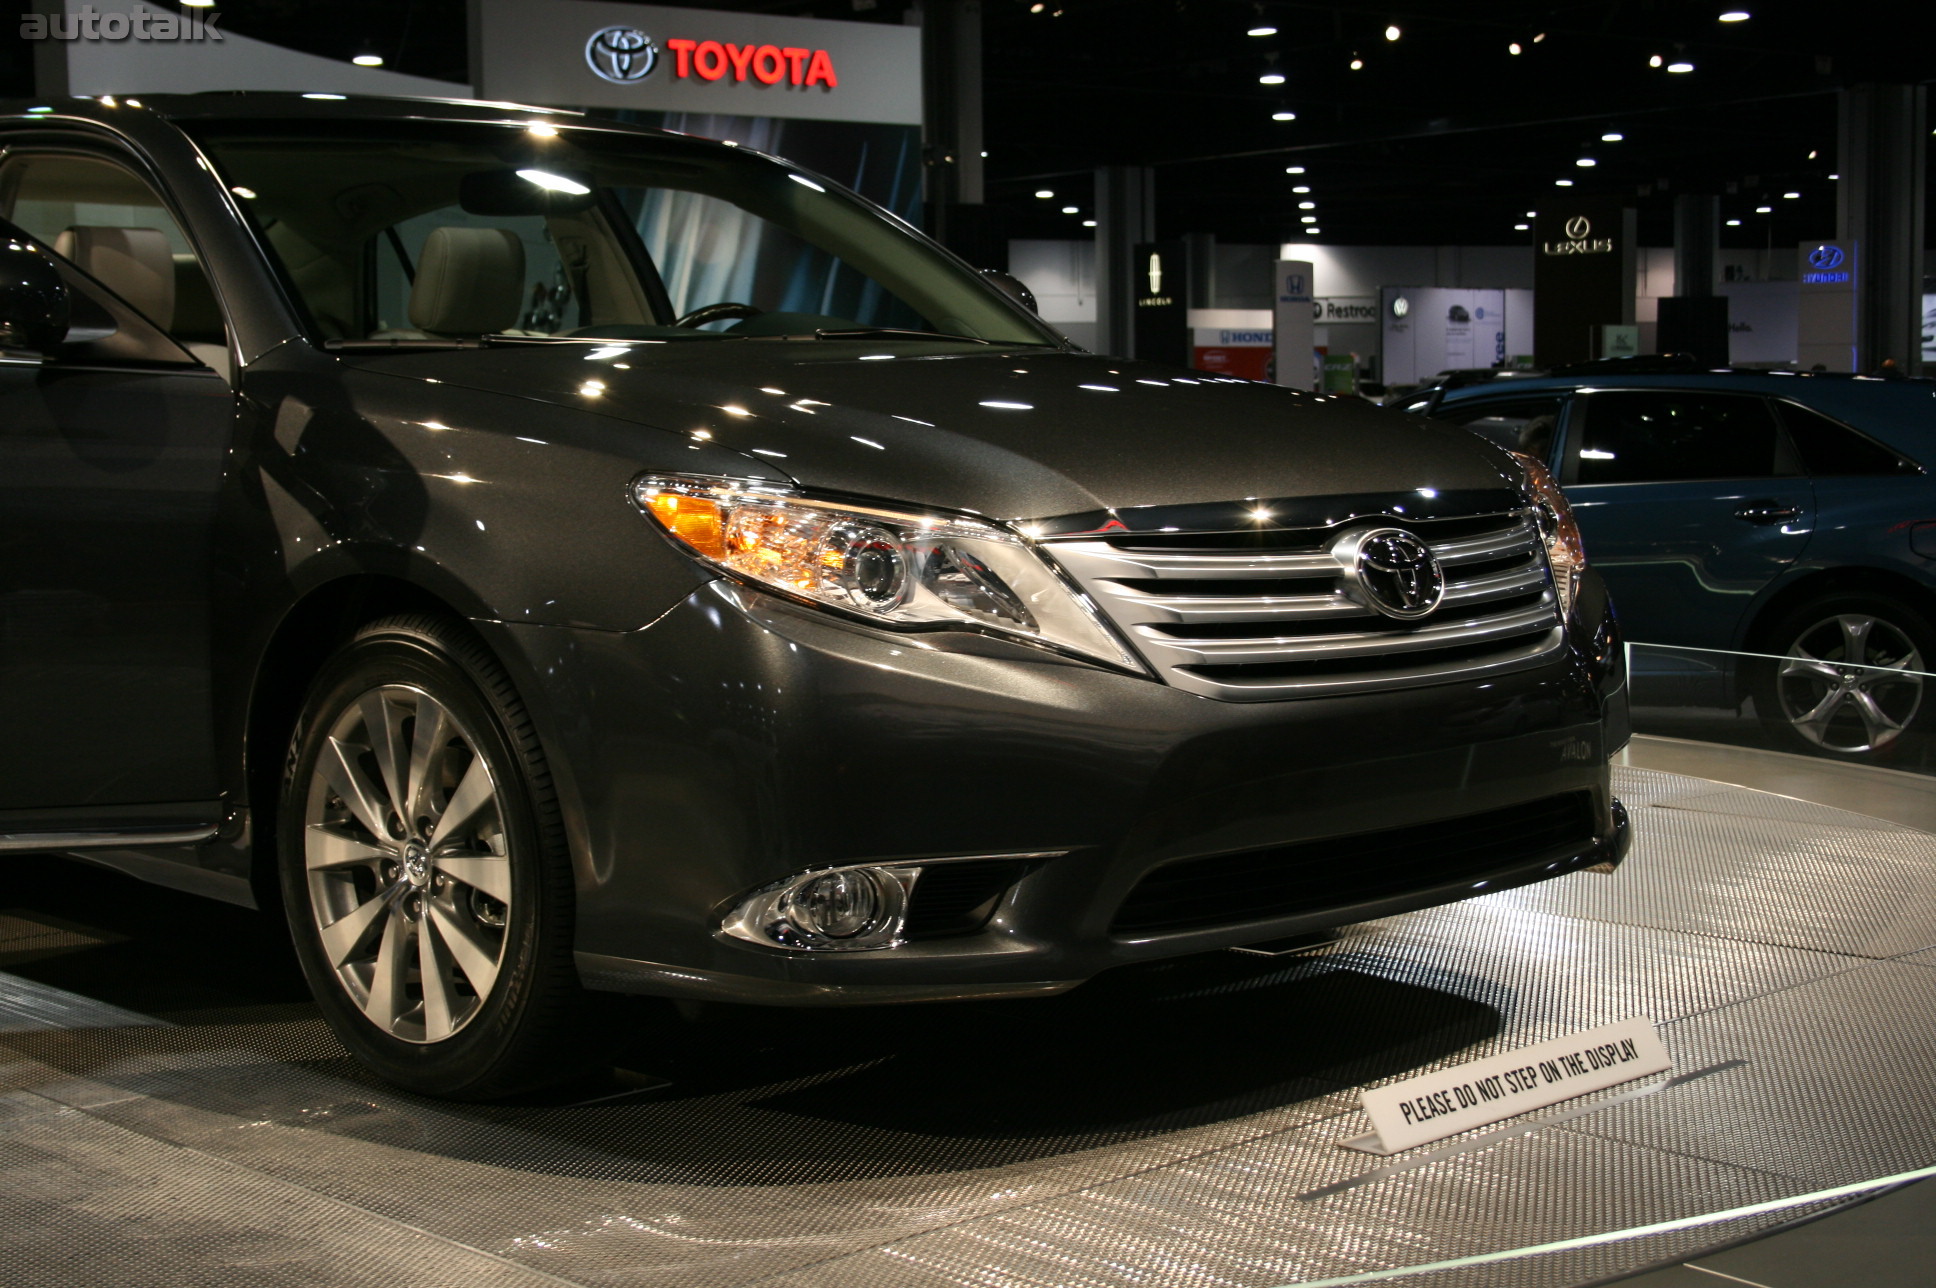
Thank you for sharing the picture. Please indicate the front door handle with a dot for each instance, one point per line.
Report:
(1767, 511)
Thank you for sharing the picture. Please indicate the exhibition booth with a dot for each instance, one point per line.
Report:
(1706, 1054)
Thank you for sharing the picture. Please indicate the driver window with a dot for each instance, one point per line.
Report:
(506, 259)
(115, 228)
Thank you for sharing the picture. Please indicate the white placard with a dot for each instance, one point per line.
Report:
(1432, 1106)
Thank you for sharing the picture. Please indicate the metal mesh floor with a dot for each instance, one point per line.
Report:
(172, 1112)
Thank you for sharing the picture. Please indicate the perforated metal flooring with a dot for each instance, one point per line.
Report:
(173, 1113)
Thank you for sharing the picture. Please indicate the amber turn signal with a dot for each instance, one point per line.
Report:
(695, 520)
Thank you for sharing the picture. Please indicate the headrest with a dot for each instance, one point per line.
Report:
(470, 281)
(134, 263)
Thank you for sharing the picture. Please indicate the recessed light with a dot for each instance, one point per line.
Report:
(1045, 194)
(1302, 187)
(1261, 31)
(1835, 176)
(1070, 210)
(1283, 116)
(1613, 136)
(1293, 169)
(1514, 48)
(1088, 223)
(1307, 205)
(1307, 219)
(1734, 223)
(368, 60)
(1392, 32)
(1790, 196)
(1562, 183)
(1655, 61)
(1735, 15)
(1271, 78)
(1764, 210)
(1357, 64)
(1532, 214)
(1680, 67)
(1586, 162)
(1520, 228)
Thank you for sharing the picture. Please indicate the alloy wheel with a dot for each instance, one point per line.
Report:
(1851, 683)
(407, 864)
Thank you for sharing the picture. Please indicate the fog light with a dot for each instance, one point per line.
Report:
(839, 905)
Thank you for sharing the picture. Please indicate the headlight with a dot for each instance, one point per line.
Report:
(1564, 550)
(898, 569)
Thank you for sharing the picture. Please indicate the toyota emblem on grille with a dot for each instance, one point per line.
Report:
(1398, 573)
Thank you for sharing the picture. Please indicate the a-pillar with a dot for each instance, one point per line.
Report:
(1125, 215)
(1880, 208)
(952, 142)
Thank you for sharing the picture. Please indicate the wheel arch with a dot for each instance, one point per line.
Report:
(313, 628)
(1835, 581)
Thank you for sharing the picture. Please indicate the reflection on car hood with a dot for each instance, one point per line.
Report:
(1010, 433)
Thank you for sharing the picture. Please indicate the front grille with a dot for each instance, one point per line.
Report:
(1312, 876)
(1250, 617)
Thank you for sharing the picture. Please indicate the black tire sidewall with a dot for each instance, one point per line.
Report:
(479, 1059)
(1787, 631)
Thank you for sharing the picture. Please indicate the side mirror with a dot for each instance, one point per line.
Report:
(1011, 287)
(33, 298)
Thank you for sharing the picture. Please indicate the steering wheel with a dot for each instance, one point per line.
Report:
(717, 313)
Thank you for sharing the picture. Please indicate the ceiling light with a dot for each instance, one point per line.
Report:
(1261, 31)
(1513, 48)
(1835, 176)
(1293, 169)
(1541, 36)
(1044, 193)
(1764, 210)
(1680, 67)
(1070, 210)
(1088, 223)
(1307, 205)
(1735, 15)
(1307, 219)
(1586, 163)
(1562, 183)
(1613, 136)
(1283, 116)
(1393, 33)
(1520, 228)
(1312, 232)
(1790, 196)
(1302, 187)
(1734, 223)
(1357, 64)
(1037, 8)
(1532, 214)
(1655, 61)
(1271, 78)
(368, 60)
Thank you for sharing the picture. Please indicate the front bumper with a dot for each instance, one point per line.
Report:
(741, 739)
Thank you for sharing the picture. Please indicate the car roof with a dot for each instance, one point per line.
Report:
(1901, 411)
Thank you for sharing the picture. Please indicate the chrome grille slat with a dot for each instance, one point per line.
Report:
(1328, 639)
(1360, 644)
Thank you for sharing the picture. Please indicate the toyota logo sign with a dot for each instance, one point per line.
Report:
(621, 54)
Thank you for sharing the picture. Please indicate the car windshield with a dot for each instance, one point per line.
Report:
(415, 230)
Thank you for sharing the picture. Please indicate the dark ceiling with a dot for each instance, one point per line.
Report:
(1441, 137)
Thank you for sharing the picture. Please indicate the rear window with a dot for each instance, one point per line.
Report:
(1655, 437)
(1829, 448)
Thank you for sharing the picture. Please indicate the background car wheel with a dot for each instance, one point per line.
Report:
(424, 867)
(1849, 684)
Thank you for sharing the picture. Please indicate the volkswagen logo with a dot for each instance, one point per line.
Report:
(1396, 573)
(1577, 228)
(1825, 256)
(621, 54)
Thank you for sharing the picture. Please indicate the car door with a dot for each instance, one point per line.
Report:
(112, 448)
(1690, 502)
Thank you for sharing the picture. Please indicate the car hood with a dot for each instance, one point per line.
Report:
(1009, 433)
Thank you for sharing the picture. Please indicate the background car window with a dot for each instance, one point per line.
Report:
(116, 229)
(1829, 449)
(1517, 424)
(1636, 437)
(547, 297)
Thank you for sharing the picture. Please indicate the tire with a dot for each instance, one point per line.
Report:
(1847, 686)
(424, 868)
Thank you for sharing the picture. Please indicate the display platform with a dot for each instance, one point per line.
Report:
(174, 1113)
